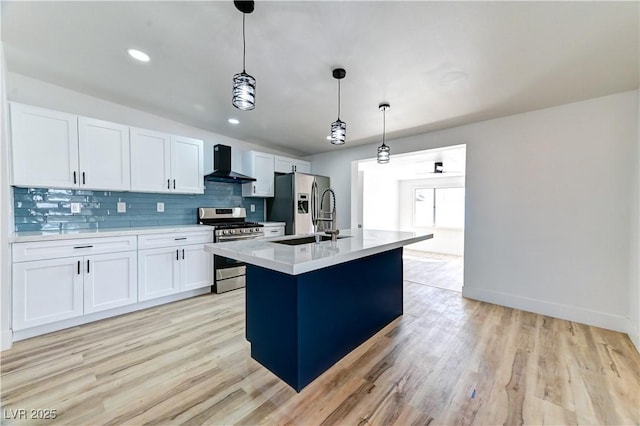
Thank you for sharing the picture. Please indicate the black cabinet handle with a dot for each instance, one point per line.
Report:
(83, 179)
(181, 238)
(81, 247)
(75, 179)
(174, 184)
(88, 267)
(177, 254)
(78, 267)
(182, 254)
(168, 183)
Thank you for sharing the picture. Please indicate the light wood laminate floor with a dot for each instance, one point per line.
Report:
(447, 360)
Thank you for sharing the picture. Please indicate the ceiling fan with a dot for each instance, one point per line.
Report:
(438, 168)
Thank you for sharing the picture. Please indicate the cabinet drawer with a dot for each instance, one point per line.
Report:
(174, 239)
(23, 252)
(273, 231)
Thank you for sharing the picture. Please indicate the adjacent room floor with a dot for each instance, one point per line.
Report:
(434, 269)
(447, 360)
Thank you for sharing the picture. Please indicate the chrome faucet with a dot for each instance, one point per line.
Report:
(331, 215)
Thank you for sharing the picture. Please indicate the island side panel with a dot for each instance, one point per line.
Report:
(300, 325)
(342, 306)
(272, 321)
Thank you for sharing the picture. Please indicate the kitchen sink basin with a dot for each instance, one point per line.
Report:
(306, 240)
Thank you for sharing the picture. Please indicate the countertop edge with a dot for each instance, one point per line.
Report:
(312, 265)
(39, 236)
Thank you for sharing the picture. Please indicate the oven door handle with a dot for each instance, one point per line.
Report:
(227, 239)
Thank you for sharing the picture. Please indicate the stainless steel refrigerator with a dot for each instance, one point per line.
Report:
(297, 201)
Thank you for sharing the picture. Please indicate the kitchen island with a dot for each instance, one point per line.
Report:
(309, 304)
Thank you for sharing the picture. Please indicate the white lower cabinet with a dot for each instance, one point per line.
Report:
(158, 272)
(109, 281)
(46, 291)
(59, 288)
(175, 265)
(60, 280)
(197, 268)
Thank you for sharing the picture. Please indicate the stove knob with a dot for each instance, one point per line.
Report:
(244, 231)
(225, 232)
(256, 229)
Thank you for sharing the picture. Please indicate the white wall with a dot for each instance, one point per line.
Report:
(30, 91)
(6, 213)
(445, 240)
(634, 264)
(380, 198)
(548, 206)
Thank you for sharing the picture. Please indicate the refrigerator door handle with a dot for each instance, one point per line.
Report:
(314, 204)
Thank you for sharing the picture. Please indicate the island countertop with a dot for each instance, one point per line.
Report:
(299, 259)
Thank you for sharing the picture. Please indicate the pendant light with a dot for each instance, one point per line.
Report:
(244, 85)
(338, 127)
(383, 150)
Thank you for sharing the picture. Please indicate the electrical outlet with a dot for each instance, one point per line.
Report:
(75, 208)
(253, 208)
(122, 207)
(160, 207)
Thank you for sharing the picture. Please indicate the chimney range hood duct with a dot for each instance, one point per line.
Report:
(222, 167)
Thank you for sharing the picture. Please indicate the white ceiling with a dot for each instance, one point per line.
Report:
(439, 64)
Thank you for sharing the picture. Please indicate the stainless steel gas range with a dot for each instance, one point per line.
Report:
(229, 225)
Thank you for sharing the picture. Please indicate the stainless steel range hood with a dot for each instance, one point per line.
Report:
(222, 167)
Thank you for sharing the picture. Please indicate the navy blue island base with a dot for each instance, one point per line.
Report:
(300, 325)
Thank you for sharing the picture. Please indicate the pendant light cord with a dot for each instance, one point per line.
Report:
(244, 44)
(338, 99)
(384, 124)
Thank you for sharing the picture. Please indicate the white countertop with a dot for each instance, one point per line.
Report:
(20, 237)
(303, 258)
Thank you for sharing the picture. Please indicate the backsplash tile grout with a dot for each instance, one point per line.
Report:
(42, 209)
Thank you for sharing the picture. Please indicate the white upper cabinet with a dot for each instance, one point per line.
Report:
(52, 149)
(104, 155)
(187, 159)
(164, 163)
(150, 161)
(44, 147)
(261, 167)
(291, 165)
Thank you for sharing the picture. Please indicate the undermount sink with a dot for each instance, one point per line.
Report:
(307, 240)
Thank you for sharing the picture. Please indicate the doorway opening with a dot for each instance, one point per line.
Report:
(420, 191)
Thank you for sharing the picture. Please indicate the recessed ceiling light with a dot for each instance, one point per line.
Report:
(329, 137)
(139, 55)
(233, 121)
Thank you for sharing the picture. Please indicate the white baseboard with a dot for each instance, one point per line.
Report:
(6, 340)
(556, 310)
(633, 331)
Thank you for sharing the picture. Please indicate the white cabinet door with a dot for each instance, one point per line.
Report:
(44, 147)
(291, 165)
(150, 161)
(196, 269)
(187, 159)
(158, 272)
(46, 291)
(301, 166)
(110, 281)
(104, 155)
(261, 167)
(283, 165)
